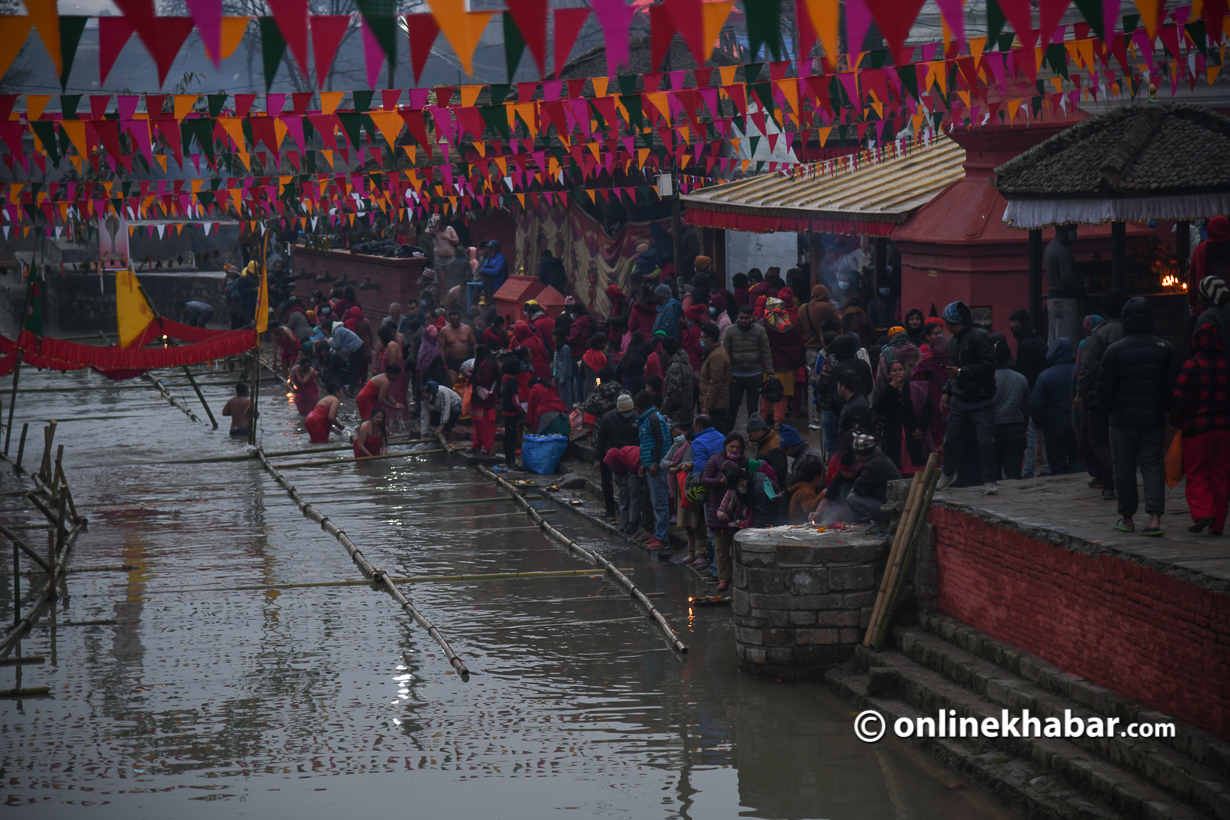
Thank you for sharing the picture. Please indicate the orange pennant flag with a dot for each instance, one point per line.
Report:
(461, 28)
(329, 101)
(233, 29)
(824, 16)
(183, 104)
(14, 29)
(35, 103)
(390, 124)
(46, 19)
(714, 18)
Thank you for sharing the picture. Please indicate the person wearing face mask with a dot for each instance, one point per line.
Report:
(883, 308)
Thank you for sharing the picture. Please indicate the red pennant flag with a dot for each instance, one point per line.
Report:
(531, 19)
(661, 33)
(894, 17)
(113, 34)
(1050, 12)
(327, 33)
(170, 35)
(1020, 15)
(292, 19)
(568, 24)
(423, 30)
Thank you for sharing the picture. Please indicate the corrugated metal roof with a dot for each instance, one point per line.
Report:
(885, 192)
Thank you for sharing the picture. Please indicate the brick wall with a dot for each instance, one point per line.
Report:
(1146, 635)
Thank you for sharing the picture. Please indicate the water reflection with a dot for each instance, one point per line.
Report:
(200, 693)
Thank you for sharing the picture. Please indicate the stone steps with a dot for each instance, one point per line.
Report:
(1166, 764)
(1019, 782)
(893, 676)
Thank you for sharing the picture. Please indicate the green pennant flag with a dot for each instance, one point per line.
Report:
(764, 27)
(995, 20)
(381, 18)
(1091, 10)
(362, 100)
(1056, 56)
(496, 119)
(632, 102)
(71, 27)
(46, 132)
(273, 47)
(765, 92)
(215, 101)
(514, 45)
(499, 93)
(909, 79)
(627, 83)
(68, 105)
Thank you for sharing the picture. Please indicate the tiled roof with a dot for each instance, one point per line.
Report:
(1140, 150)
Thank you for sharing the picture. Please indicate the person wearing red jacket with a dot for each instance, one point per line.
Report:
(545, 413)
(1211, 258)
(540, 360)
(1200, 408)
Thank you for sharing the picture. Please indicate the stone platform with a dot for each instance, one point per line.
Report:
(1039, 568)
(803, 598)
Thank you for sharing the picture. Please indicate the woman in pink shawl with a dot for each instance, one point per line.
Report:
(930, 369)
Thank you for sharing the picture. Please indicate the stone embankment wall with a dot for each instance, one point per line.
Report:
(1146, 634)
(802, 599)
(391, 280)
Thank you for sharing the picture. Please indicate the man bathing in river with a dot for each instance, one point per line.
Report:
(239, 408)
(457, 343)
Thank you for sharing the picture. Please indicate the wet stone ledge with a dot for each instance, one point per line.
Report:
(802, 598)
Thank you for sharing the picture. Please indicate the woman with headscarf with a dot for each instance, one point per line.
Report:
(899, 348)
(484, 398)
(931, 369)
(786, 345)
(540, 360)
(902, 414)
(1080, 413)
(618, 303)
(786, 295)
(429, 365)
(915, 326)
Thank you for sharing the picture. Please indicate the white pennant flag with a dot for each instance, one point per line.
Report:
(207, 226)
(161, 230)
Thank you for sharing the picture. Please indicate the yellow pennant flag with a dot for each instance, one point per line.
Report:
(262, 304)
(132, 313)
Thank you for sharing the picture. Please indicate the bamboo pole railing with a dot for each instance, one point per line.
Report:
(166, 395)
(594, 558)
(377, 575)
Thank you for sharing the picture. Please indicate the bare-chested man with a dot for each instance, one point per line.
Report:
(450, 271)
(457, 343)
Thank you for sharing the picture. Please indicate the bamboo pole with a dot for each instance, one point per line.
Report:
(201, 396)
(166, 395)
(26, 660)
(21, 447)
(377, 575)
(49, 436)
(326, 462)
(920, 518)
(48, 594)
(427, 579)
(19, 543)
(29, 692)
(597, 559)
(881, 593)
(901, 541)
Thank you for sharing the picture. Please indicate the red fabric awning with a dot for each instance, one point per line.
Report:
(121, 362)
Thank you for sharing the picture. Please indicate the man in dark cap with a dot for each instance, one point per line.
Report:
(495, 268)
(969, 396)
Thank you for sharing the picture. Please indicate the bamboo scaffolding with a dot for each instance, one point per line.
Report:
(598, 560)
(166, 395)
(20, 543)
(378, 576)
(201, 396)
(881, 612)
(48, 594)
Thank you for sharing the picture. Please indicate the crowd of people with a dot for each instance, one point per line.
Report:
(695, 396)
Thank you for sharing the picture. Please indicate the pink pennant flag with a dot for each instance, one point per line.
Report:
(207, 15)
(952, 11)
(1110, 17)
(858, 20)
(373, 55)
(615, 16)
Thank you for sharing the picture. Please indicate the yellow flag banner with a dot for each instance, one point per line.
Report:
(132, 313)
(262, 304)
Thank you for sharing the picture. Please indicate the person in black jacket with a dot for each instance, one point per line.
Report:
(1135, 382)
(1031, 353)
(551, 272)
(969, 396)
(616, 429)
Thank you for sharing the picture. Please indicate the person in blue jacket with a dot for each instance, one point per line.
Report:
(655, 436)
(708, 441)
(670, 311)
(495, 268)
(1051, 406)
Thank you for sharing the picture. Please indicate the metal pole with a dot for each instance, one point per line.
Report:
(1035, 277)
(201, 396)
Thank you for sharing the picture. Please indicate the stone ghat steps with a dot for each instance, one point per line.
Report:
(1194, 765)
(1046, 777)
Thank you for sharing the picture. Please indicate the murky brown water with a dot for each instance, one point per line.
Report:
(316, 701)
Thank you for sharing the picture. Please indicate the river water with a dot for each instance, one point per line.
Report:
(173, 691)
